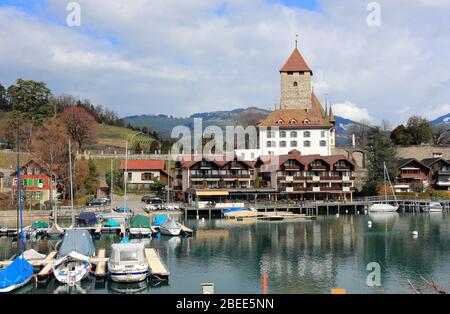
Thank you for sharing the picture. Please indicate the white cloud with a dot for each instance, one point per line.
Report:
(178, 57)
(351, 111)
(436, 111)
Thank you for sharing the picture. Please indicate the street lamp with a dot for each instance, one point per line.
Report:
(125, 175)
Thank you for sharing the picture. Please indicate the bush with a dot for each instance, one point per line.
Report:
(84, 199)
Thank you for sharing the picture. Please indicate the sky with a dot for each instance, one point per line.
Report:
(179, 57)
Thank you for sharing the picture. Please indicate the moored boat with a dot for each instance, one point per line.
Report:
(170, 227)
(127, 263)
(140, 226)
(435, 207)
(73, 263)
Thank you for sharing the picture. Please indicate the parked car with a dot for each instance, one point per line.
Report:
(152, 207)
(98, 202)
(145, 198)
(154, 200)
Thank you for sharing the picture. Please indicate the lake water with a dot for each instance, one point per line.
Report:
(298, 257)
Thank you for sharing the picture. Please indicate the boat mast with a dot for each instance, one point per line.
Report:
(111, 185)
(385, 185)
(19, 187)
(71, 183)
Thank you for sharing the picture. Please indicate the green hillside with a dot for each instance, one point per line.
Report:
(116, 137)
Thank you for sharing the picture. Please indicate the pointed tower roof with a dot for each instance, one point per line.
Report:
(295, 63)
(331, 115)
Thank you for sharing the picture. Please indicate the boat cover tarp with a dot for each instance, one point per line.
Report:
(72, 255)
(169, 224)
(77, 240)
(15, 273)
(39, 225)
(125, 240)
(235, 209)
(111, 223)
(32, 254)
(124, 209)
(140, 221)
(87, 218)
(158, 220)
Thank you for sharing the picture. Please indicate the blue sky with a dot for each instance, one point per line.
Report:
(179, 57)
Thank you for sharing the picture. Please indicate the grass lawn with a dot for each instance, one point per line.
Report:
(104, 166)
(9, 160)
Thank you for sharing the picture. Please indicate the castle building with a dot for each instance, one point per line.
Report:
(301, 123)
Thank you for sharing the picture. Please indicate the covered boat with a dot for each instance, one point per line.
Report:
(236, 212)
(111, 223)
(87, 219)
(158, 220)
(170, 227)
(140, 226)
(16, 275)
(33, 255)
(73, 263)
(39, 225)
(127, 262)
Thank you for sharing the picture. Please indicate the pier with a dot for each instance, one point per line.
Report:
(157, 268)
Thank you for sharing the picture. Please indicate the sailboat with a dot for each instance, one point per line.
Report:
(20, 271)
(73, 263)
(385, 207)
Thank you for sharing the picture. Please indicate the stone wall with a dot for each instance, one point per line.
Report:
(423, 151)
(296, 97)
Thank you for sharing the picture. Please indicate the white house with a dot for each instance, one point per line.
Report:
(142, 173)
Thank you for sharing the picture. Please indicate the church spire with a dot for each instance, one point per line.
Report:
(295, 63)
(331, 115)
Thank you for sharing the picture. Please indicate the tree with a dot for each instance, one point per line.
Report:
(17, 124)
(117, 180)
(154, 147)
(440, 134)
(80, 124)
(400, 136)
(33, 98)
(361, 131)
(419, 129)
(380, 150)
(91, 183)
(158, 185)
(49, 144)
(4, 102)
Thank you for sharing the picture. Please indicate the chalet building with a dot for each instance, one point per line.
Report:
(210, 179)
(141, 174)
(412, 176)
(301, 123)
(309, 177)
(440, 173)
(36, 182)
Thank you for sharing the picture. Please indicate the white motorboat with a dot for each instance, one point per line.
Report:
(139, 231)
(170, 227)
(127, 263)
(435, 207)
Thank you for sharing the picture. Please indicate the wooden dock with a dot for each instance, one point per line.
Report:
(100, 268)
(47, 263)
(157, 268)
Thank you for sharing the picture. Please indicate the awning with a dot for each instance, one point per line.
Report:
(212, 193)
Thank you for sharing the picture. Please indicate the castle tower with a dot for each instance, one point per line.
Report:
(296, 83)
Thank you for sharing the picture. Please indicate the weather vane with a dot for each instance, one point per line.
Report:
(296, 40)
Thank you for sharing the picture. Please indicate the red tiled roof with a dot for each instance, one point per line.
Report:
(143, 164)
(295, 63)
(315, 115)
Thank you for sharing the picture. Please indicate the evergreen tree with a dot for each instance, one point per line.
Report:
(380, 150)
(400, 136)
(419, 129)
(91, 184)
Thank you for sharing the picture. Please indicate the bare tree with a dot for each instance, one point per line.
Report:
(440, 134)
(80, 125)
(361, 130)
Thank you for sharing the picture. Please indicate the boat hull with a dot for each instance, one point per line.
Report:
(71, 271)
(128, 276)
(170, 231)
(15, 287)
(384, 208)
(140, 231)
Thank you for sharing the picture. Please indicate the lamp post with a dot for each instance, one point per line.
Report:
(125, 174)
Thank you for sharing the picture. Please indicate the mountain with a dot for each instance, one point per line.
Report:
(164, 124)
(445, 119)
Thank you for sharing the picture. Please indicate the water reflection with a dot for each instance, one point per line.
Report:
(298, 257)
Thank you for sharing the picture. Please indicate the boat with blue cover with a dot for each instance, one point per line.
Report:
(235, 212)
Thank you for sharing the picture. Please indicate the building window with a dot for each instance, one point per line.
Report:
(293, 133)
(323, 143)
(283, 144)
(129, 176)
(306, 134)
(293, 121)
(280, 122)
(307, 144)
(282, 134)
(290, 73)
(270, 152)
(270, 134)
(293, 143)
(146, 176)
(271, 144)
(322, 133)
(252, 155)
(306, 121)
(295, 84)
